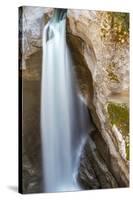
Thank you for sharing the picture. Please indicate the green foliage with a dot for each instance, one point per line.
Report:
(115, 27)
(119, 115)
(121, 18)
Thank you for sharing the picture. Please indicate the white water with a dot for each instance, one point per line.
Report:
(64, 116)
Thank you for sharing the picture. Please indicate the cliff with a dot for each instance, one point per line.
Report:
(99, 44)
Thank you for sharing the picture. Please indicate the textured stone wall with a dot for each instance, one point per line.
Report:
(106, 81)
(102, 69)
(33, 22)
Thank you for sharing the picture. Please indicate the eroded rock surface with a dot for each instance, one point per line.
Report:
(101, 66)
(31, 136)
(102, 69)
(31, 21)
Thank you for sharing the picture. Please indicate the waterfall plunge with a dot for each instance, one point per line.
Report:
(64, 116)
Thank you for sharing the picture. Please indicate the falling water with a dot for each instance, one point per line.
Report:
(64, 116)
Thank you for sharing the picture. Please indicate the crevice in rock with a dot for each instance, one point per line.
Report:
(83, 74)
(95, 169)
(93, 172)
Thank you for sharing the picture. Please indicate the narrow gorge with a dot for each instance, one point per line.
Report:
(99, 46)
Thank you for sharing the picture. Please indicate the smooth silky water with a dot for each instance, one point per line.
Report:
(64, 116)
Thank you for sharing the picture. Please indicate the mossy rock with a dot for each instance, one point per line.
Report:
(111, 73)
(115, 27)
(121, 18)
(119, 115)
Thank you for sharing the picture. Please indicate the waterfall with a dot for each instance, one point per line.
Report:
(64, 116)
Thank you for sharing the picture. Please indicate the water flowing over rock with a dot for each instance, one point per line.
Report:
(102, 70)
(64, 116)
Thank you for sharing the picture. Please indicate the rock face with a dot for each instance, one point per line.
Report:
(101, 64)
(31, 137)
(102, 69)
(31, 21)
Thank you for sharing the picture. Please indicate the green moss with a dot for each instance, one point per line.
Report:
(119, 115)
(121, 18)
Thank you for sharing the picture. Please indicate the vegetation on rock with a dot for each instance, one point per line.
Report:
(111, 72)
(115, 27)
(119, 115)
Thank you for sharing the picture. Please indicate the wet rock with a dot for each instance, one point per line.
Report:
(93, 171)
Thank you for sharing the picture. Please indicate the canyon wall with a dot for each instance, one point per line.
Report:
(102, 66)
(99, 44)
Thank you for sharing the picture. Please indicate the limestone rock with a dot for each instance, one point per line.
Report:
(103, 74)
(32, 23)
